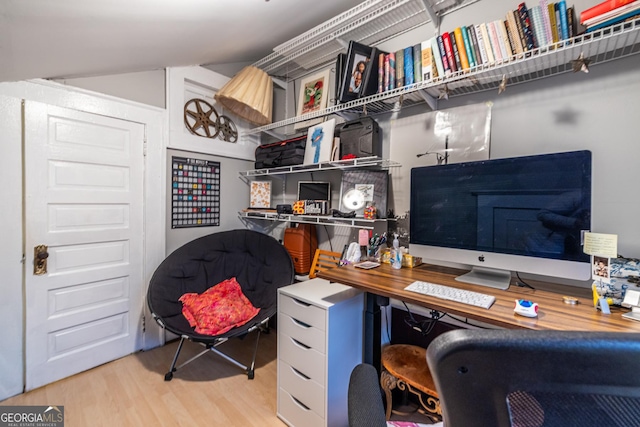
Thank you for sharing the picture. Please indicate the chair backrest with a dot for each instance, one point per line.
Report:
(322, 260)
(530, 378)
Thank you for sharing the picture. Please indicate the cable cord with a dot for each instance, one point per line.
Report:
(522, 283)
(426, 326)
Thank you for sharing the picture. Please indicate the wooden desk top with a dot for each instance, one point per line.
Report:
(553, 313)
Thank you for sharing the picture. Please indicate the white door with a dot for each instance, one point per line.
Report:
(83, 200)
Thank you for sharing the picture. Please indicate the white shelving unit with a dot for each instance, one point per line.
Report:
(374, 22)
(361, 162)
(283, 171)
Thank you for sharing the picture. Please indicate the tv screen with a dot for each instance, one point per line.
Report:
(533, 206)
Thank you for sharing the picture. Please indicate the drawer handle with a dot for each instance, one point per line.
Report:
(297, 301)
(299, 344)
(298, 322)
(300, 374)
(305, 407)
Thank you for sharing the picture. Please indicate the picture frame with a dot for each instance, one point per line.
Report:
(260, 197)
(372, 184)
(314, 96)
(358, 64)
(319, 143)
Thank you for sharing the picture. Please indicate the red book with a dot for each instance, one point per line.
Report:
(446, 41)
(601, 8)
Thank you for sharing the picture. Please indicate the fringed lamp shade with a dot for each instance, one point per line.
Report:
(249, 94)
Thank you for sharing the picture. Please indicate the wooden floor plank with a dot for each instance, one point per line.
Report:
(132, 392)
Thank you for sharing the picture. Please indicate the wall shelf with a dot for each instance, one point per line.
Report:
(372, 22)
(608, 44)
(360, 162)
(312, 219)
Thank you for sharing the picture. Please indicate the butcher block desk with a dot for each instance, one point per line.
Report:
(553, 312)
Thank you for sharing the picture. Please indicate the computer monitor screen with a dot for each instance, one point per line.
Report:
(524, 214)
(314, 190)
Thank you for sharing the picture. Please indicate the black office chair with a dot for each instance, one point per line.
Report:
(504, 378)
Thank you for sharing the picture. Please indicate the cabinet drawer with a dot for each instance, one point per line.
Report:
(305, 390)
(294, 413)
(305, 359)
(302, 311)
(304, 333)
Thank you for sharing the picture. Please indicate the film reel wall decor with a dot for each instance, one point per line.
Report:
(203, 120)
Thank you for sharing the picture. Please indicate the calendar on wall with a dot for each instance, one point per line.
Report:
(195, 193)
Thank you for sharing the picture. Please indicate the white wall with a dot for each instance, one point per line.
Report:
(146, 87)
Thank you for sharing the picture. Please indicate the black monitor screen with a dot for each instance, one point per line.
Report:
(314, 190)
(533, 205)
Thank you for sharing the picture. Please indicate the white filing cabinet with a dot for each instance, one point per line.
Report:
(319, 343)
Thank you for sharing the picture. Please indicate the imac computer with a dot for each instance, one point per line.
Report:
(523, 214)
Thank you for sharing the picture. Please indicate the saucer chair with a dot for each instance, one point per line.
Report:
(258, 262)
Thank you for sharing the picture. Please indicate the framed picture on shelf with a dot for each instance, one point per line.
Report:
(260, 195)
(319, 143)
(358, 64)
(314, 95)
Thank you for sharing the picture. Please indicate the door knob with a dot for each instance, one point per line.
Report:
(40, 256)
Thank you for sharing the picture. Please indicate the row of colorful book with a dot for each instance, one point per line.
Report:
(609, 12)
(522, 30)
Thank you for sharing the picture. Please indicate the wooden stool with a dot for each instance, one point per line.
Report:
(405, 367)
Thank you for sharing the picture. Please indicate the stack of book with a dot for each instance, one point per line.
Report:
(608, 13)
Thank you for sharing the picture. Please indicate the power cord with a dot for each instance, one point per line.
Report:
(522, 283)
(426, 326)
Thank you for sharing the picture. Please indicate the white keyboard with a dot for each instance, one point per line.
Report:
(452, 294)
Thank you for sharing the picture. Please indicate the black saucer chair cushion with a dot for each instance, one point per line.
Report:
(259, 263)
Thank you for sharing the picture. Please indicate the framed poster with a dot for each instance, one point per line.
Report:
(314, 94)
(319, 143)
(195, 193)
(260, 195)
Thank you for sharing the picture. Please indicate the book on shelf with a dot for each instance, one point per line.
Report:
(471, 29)
(504, 37)
(429, 69)
(387, 71)
(494, 39)
(635, 5)
(564, 26)
(615, 20)
(439, 56)
(536, 23)
(408, 65)
(513, 31)
(456, 50)
(449, 53)
(546, 22)
(571, 22)
(552, 23)
(392, 70)
(468, 48)
(381, 72)
(601, 8)
(481, 46)
(525, 20)
(399, 57)
(417, 62)
(484, 32)
(462, 50)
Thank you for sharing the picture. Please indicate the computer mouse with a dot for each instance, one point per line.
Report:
(526, 308)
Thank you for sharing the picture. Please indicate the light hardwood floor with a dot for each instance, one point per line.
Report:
(132, 392)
